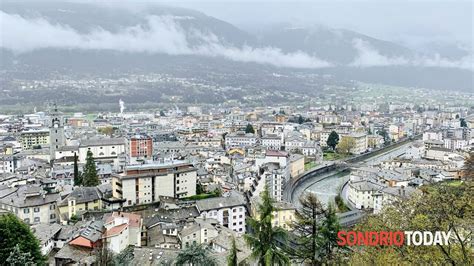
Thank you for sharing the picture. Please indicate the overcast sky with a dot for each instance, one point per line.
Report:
(404, 21)
(397, 20)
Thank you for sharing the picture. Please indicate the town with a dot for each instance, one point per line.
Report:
(154, 187)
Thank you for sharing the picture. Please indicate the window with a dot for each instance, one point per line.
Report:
(26, 210)
(26, 220)
(36, 209)
(52, 216)
(37, 219)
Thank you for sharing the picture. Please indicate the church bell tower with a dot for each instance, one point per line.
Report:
(56, 132)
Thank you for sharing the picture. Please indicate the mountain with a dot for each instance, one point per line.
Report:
(75, 39)
(333, 45)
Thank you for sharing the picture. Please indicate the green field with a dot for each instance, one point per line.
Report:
(332, 156)
(309, 165)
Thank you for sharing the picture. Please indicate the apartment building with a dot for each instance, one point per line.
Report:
(228, 210)
(142, 184)
(30, 204)
(240, 140)
(140, 148)
(272, 141)
(34, 138)
(360, 142)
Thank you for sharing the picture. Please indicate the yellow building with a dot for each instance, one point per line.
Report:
(283, 217)
(6, 149)
(358, 140)
(34, 138)
(82, 199)
(296, 165)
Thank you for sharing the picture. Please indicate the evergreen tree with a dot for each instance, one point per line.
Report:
(196, 255)
(300, 119)
(463, 122)
(333, 140)
(89, 177)
(232, 257)
(306, 229)
(249, 129)
(468, 171)
(77, 174)
(328, 236)
(263, 239)
(17, 242)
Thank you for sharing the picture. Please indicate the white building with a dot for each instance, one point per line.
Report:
(141, 184)
(8, 164)
(122, 230)
(361, 193)
(31, 204)
(273, 142)
(228, 210)
(240, 140)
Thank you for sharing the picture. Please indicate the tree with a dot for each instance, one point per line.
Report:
(17, 242)
(328, 237)
(103, 255)
(249, 129)
(333, 140)
(306, 229)
(346, 145)
(162, 113)
(463, 122)
(89, 177)
(232, 257)
(468, 171)
(385, 135)
(199, 188)
(440, 207)
(196, 255)
(108, 131)
(300, 119)
(125, 257)
(17, 257)
(77, 174)
(263, 239)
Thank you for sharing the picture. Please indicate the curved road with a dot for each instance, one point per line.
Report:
(329, 184)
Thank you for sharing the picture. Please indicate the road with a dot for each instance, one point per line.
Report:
(329, 184)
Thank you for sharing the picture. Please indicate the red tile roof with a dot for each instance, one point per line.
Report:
(115, 230)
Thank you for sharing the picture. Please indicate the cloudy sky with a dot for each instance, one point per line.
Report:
(410, 21)
(405, 21)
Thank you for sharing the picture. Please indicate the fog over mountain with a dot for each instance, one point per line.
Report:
(33, 31)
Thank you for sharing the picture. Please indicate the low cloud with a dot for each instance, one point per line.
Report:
(160, 34)
(164, 34)
(368, 56)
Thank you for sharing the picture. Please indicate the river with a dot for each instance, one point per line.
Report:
(329, 187)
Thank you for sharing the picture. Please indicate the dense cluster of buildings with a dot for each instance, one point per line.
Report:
(172, 179)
